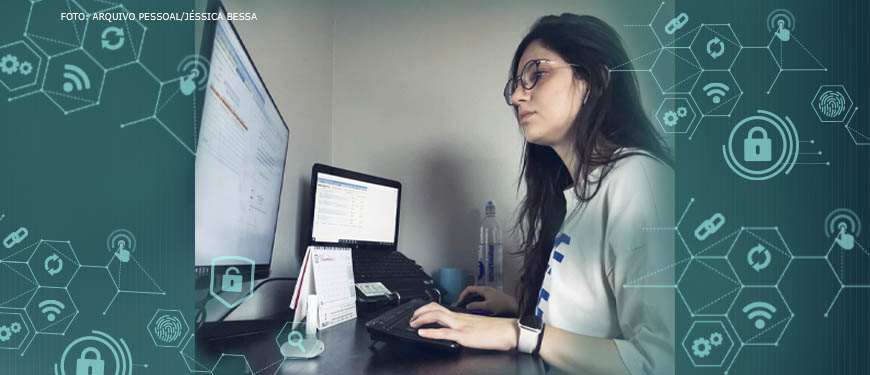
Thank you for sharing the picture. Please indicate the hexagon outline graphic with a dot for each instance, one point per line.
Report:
(180, 317)
(23, 327)
(831, 265)
(846, 109)
(75, 261)
(211, 281)
(787, 320)
(725, 294)
(87, 103)
(735, 41)
(70, 46)
(676, 262)
(284, 333)
(659, 115)
(247, 364)
(34, 71)
(69, 319)
(789, 255)
(727, 352)
(672, 90)
(126, 35)
(24, 267)
(841, 279)
(186, 358)
(853, 131)
(732, 100)
(278, 337)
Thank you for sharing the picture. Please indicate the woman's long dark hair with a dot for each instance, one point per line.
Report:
(611, 117)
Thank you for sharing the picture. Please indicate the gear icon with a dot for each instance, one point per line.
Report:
(15, 327)
(5, 333)
(682, 112)
(715, 339)
(701, 347)
(25, 68)
(670, 118)
(9, 64)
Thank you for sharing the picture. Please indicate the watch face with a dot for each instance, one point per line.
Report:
(532, 321)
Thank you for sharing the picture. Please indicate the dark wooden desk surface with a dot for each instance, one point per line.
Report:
(347, 351)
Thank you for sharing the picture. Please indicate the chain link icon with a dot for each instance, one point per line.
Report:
(15, 237)
(709, 226)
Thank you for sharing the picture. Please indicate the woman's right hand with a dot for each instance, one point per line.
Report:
(493, 300)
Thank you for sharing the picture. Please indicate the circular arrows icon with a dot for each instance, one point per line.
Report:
(53, 270)
(117, 32)
(719, 52)
(756, 250)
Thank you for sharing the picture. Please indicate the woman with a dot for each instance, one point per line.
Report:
(597, 175)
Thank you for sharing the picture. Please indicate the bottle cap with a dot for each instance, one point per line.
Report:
(490, 209)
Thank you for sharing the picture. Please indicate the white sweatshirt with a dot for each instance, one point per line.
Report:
(617, 240)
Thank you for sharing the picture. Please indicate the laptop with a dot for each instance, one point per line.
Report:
(361, 212)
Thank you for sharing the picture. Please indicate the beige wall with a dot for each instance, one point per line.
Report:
(417, 97)
(409, 90)
(291, 45)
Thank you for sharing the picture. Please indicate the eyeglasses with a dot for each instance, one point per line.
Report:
(528, 77)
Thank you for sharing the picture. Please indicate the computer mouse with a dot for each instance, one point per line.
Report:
(469, 299)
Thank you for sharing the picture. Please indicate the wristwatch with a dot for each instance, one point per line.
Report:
(531, 329)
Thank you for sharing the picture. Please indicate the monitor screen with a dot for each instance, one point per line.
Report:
(354, 211)
(239, 158)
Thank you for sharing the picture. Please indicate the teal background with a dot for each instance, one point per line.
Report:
(78, 177)
(796, 203)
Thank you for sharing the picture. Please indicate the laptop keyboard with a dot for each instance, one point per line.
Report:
(377, 266)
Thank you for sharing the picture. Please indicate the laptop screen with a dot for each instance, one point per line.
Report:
(353, 211)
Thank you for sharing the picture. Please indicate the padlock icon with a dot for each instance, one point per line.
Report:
(87, 366)
(232, 283)
(756, 149)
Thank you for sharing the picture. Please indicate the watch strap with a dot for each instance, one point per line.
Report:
(528, 337)
(540, 340)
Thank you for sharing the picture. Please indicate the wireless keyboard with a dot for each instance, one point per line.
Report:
(393, 326)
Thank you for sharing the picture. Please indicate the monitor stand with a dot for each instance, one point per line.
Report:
(266, 308)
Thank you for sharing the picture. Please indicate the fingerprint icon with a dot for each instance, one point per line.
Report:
(168, 329)
(832, 103)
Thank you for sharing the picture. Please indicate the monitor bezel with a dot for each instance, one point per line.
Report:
(260, 270)
(335, 171)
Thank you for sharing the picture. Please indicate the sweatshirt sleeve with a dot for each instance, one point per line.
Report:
(640, 252)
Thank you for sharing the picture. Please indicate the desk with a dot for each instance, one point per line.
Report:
(347, 352)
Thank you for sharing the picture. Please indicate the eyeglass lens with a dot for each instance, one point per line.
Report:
(528, 78)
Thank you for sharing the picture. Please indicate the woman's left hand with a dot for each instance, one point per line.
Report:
(470, 331)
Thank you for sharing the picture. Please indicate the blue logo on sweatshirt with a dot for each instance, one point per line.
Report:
(544, 295)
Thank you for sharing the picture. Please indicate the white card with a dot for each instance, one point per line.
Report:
(304, 288)
(333, 282)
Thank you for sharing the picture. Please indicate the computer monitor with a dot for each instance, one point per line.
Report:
(353, 209)
(240, 160)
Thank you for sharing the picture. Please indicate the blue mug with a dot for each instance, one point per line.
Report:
(452, 279)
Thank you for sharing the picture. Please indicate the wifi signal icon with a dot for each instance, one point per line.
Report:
(717, 90)
(76, 79)
(763, 311)
(51, 308)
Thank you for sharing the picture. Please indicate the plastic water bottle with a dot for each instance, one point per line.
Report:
(489, 255)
